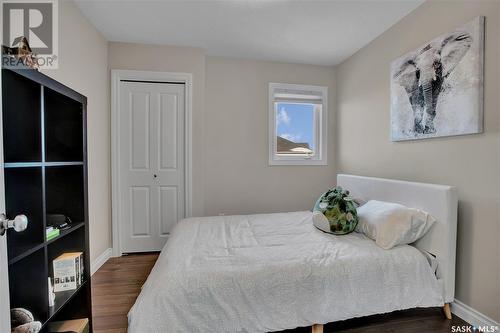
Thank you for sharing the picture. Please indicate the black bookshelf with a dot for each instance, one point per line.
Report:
(45, 160)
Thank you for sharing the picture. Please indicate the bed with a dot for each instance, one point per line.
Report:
(271, 272)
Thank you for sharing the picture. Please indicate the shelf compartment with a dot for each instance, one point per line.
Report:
(65, 191)
(74, 241)
(63, 298)
(71, 305)
(28, 285)
(63, 118)
(64, 233)
(21, 104)
(29, 249)
(24, 195)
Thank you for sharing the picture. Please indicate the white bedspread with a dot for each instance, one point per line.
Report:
(272, 272)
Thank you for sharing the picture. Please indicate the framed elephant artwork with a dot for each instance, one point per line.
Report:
(437, 90)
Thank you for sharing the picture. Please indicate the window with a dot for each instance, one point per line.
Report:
(297, 124)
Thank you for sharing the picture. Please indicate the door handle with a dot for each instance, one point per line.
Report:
(19, 223)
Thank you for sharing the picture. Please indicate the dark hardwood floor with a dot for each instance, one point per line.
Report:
(116, 285)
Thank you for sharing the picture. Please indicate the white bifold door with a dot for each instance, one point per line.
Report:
(151, 165)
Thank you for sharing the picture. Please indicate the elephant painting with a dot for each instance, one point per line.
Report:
(425, 85)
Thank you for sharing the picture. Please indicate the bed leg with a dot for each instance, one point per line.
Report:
(447, 310)
(317, 328)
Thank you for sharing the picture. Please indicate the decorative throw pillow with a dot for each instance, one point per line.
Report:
(391, 224)
(335, 212)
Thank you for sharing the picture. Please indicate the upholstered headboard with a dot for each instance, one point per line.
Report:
(439, 200)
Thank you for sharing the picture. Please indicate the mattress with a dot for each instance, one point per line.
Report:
(270, 272)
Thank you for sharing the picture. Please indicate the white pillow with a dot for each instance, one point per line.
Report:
(391, 224)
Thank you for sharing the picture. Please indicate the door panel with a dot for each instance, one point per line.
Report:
(139, 124)
(139, 211)
(168, 208)
(168, 131)
(151, 171)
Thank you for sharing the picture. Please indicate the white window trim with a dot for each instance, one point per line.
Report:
(322, 136)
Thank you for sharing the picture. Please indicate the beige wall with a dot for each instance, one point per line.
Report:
(172, 59)
(230, 168)
(83, 67)
(469, 162)
(238, 179)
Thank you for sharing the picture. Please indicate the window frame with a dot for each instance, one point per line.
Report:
(320, 130)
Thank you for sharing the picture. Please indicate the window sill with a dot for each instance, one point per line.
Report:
(302, 162)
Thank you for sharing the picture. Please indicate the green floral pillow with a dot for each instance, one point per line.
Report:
(335, 212)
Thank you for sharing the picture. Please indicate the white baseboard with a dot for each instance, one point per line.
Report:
(99, 261)
(472, 316)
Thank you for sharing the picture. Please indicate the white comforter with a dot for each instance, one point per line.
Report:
(272, 272)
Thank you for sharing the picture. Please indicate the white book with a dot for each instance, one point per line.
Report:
(81, 268)
(65, 271)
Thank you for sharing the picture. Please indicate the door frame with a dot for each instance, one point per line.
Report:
(118, 75)
(4, 263)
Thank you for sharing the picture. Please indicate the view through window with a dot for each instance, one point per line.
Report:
(295, 127)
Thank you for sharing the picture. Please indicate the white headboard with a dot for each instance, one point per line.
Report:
(439, 200)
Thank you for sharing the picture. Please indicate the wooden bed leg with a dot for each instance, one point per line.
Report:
(447, 310)
(317, 328)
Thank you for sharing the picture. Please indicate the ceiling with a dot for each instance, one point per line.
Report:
(312, 32)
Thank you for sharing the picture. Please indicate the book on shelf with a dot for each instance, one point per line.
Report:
(68, 271)
(51, 233)
(73, 326)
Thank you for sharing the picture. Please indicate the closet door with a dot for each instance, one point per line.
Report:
(151, 170)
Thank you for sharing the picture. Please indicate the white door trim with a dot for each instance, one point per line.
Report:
(117, 76)
(4, 265)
